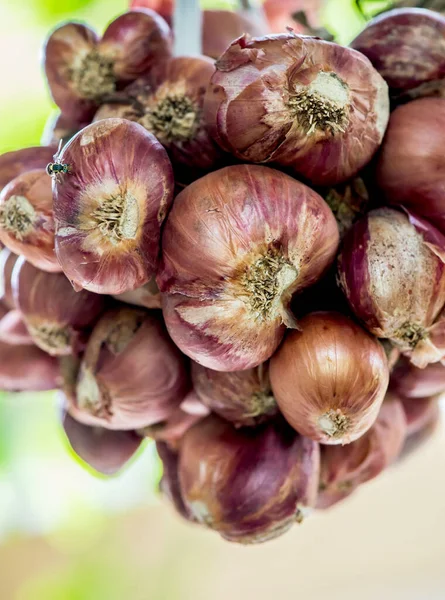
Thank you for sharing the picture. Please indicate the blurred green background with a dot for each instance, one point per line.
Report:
(66, 534)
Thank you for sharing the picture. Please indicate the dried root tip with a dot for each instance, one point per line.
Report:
(17, 216)
(410, 334)
(94, 77)
(334, 423)
(53, 338)
(117, 218)
(173, 119)
(323, 105)
(90, 397)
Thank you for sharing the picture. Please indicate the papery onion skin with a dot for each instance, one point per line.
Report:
(27, 221)
(420, 412)
(82, 69)
(7, 262)
(147, 296)
(168, 102)
(299, 102)
(411, 166)
(393, 276)
(13, 164)
(107, 452)
(169, 485)
(13, 329)
(411, 382)
(58, 318)
(406, 46)
(110, 207)
(243, 397)
(230, 236)
(330, 378)
(27, 369)
(131, 376)
(248, 485)
(172, 430)
(344, 468)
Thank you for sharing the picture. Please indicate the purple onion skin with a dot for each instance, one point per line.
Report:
(169, 484)
(405, 46)
(17, 162)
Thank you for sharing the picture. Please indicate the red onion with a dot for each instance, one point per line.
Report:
(406, 46)
(13, 330)
(173, 429)
(132, 376)
(147, 296)
(313, 106)
(411, 168)
(27, 369)
(411, 382)
(393, 275)
(237, 245)
(344, 468)
(82, 69)
(110, 207)
(241, 397)
(27, 221)
(170, 485)
(106, 451)
(248, 485)
(7, 262)
(58, 318)
(330, 378)
(417, 439)
(420, 412)
(13, 164)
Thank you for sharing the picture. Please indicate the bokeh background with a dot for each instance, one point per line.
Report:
(66, 534)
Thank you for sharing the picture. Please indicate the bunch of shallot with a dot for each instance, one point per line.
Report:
(241, 259)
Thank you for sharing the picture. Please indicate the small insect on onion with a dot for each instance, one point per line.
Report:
(392, 272)
(242, 397)
(110, 207)
(27, 220)
(58, 318)
(237, 245)
(132, 376)
(330, 378)
(300, 102)
(249, 485)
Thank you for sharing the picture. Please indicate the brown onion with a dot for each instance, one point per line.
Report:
(411, 168)
(27, 369)
(249, 485)
(7, 262)
(82, 69)
(27, 221)
(330, 378)
(393, 275)
(313, 106)
(13, 164)
(411, 382)
(241, 397)
(147, 296)
(132, 376)
(420, 412)
(237, 245)
(168, 102)
(169, 484)
(58, 318)
(13, 329)
(344, 468)
(110, 207)
(106, 451)
(406, 46)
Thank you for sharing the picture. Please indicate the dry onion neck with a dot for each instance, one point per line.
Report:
(52, 337)
(321, 106)
(122, 334)
(410, 334)
(117, 217)
(92, 397)
(264, 282)
(94, 77)
(17, 215)
(334, 423)
(174, 119)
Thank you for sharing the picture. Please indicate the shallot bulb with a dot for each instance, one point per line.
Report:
(169, 484)
(172, 430)
(422, 434)
(406, 47)
(58, 318)
(241, 397)
(393, 275)
(420, 412)
(299, 102)
(168, 102)
(110, 207)
(13, 329)
(330, 378)
(237, 245)
(7, 263)
(13, 164)
(344, 468)
(105, 451)
(131, 376)
(147, 296)
(27, 369)
(82, 70)
(27, 221)
(411, 382)
(248, 485)
(411, 166)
